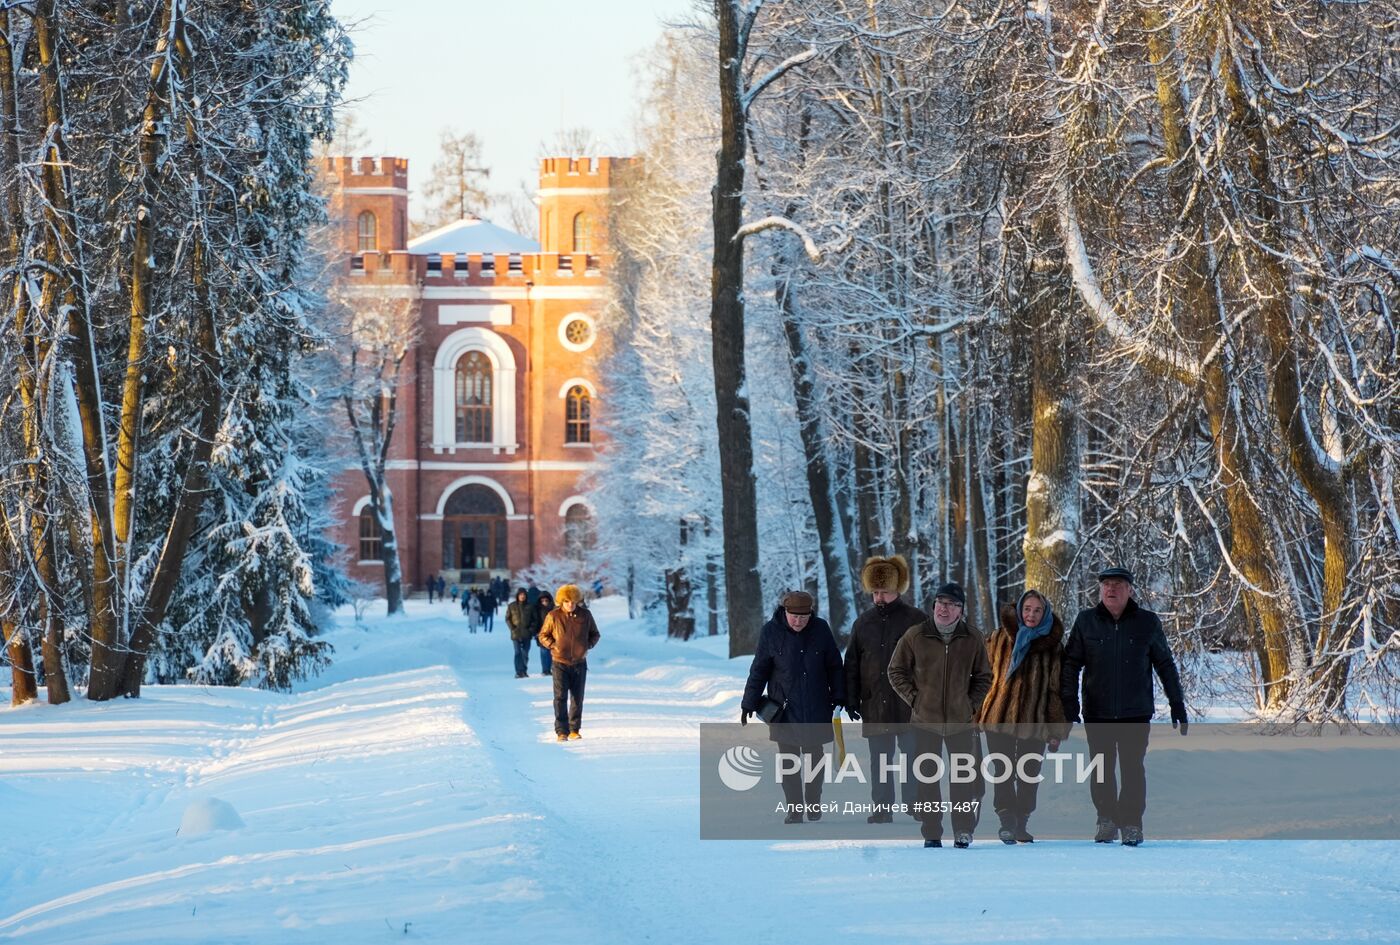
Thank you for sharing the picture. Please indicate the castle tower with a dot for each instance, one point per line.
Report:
(371, 203)
(573, 204)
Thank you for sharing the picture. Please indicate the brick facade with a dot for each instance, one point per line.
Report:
(529, 316)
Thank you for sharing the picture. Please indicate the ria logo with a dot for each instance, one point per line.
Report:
(740, 768)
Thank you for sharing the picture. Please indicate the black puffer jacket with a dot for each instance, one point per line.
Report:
(803, 672)
(1117, 658)
(873, 638)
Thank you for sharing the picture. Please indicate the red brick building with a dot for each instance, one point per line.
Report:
(495, 407)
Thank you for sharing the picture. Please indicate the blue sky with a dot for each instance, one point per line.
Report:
(513, 71)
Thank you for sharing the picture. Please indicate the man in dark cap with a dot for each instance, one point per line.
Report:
(798, 663)
(1117, 645)
(940, 669)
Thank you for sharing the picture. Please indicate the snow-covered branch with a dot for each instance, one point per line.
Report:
(776, 73)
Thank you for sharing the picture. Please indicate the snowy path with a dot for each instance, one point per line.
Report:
(419, 783)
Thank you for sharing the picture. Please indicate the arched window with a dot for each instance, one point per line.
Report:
(369, 232)
(583, 234)
(370, 534)
(579, 533)
(578, 413)
(473, 398)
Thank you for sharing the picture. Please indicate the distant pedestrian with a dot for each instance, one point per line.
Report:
(432, 588)
(454, 593)
(520, 618)
(488, 609)
(472, 608)
(544, 604)
(569, 632)
(1118, 645)
(799, 666)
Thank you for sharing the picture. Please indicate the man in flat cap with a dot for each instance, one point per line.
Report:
(940, 669)
(871, 700)
(799, 664)
(1117, 645)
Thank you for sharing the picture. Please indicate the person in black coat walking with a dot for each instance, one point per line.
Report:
(1117, 645)
(871, 700)
(544, 603)
(798, 663)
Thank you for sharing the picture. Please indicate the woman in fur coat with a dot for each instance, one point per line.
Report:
(1022, 713)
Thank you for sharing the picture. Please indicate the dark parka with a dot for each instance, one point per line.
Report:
(874, 636)
(803, 672)
(1029, 699)
(521, 617)
(1117, 658)
(941, 682)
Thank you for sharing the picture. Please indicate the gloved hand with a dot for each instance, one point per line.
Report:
(1053, 744)
(744, 716)
(852, 713)
(1072, 711)
(1179, 719)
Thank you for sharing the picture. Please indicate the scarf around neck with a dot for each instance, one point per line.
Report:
(1025, 635)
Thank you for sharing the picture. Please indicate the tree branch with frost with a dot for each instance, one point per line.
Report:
(814, 252)
(776, 73)
(1165, 361)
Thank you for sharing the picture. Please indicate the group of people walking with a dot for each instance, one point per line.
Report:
(564, 631)
(924, 683)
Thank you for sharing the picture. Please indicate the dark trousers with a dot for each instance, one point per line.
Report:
(883, 751)
(793, 783)
(546, 658)
(1121, 796)
(964, 742)
(432, 588)
(522, 656)
(568, 696)
(1013, 795)
(486, 618)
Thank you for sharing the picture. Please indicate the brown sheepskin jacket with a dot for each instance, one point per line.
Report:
(1030, 699)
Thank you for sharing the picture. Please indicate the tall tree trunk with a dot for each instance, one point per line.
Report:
(1321, 476)
(1265, 594)
(743, 589)
(840, 594)
(1054, 329)
(65, 289)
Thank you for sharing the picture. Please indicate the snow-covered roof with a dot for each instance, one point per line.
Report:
(471, 236)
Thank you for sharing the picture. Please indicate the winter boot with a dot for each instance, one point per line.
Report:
(1106, 832)
(929, 844)
(795, 817)
(962, 840)
(1132, 836)
(1007, 832)
(815, 814)
(1022, 836)
(883, 817)
(561, 738)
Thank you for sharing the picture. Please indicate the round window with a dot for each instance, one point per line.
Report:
(576, 332)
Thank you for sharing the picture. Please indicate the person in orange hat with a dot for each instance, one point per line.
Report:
(569, 632)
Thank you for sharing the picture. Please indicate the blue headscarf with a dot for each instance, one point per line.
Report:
(1025, 635)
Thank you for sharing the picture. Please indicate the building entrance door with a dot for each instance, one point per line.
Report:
(474, 533)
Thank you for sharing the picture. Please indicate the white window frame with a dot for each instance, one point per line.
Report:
(503, 368)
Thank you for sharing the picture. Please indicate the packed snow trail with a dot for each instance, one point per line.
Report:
(416, 793)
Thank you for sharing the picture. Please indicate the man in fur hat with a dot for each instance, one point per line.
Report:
(870, 697)
(569, 632)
